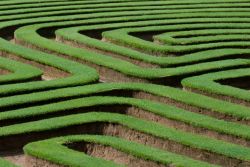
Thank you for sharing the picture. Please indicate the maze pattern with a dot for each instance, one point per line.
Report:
(124, 82)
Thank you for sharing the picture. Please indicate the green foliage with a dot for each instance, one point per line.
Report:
(195, 38)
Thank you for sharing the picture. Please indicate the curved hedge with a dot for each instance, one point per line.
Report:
(146, 52)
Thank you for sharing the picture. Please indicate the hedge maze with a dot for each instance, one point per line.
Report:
(124, 83)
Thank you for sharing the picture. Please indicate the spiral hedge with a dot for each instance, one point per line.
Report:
(124, 83)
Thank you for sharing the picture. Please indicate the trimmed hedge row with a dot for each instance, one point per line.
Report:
(121, 36)
(187, 98)
(20, 72)
(73, 34)
(190, 31)
(184, 138)
(165, 111)
(203, 36)
(25, 34)
(55, 151)
(207, 83)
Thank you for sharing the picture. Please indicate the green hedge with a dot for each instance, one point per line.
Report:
(55, 151)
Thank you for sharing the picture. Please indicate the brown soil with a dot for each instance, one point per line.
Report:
(159, 42)
(4, 71)
(117, 156)
(31, 161)
(17, 158)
